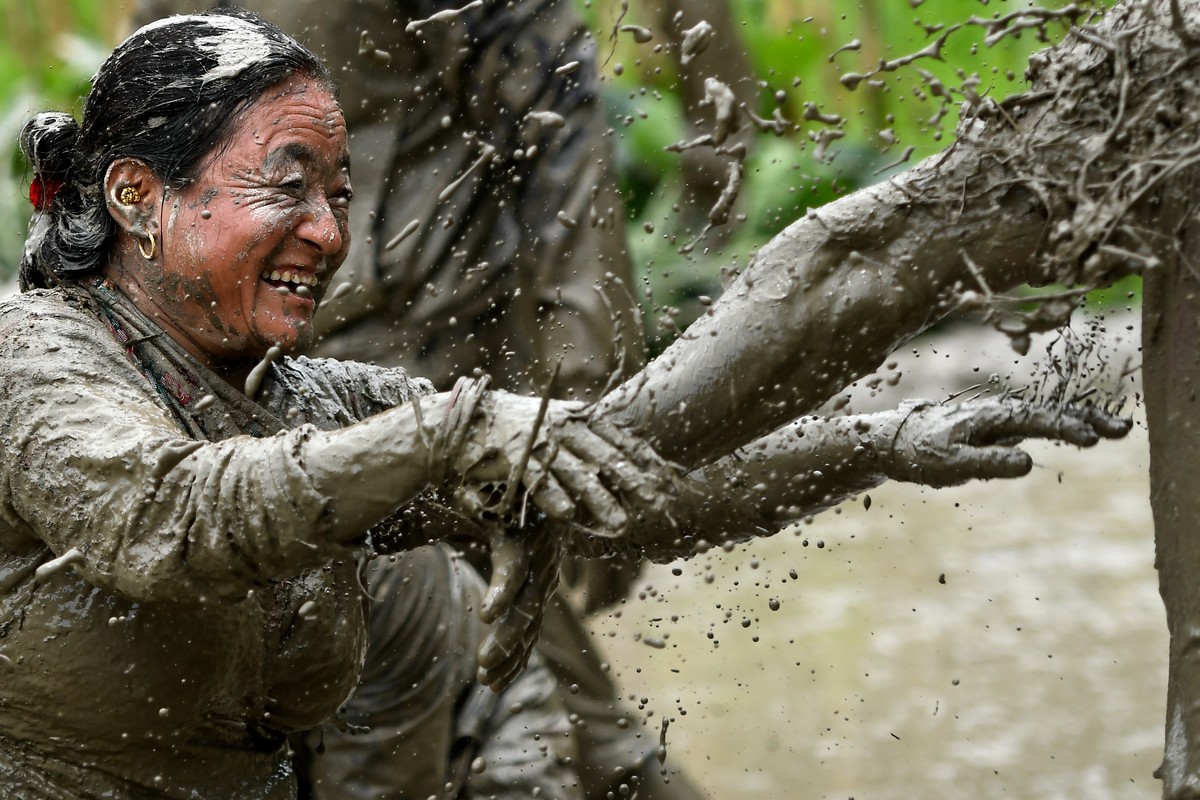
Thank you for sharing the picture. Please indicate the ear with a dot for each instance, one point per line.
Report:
(133, 194)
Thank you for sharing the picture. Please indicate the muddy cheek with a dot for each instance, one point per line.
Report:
(204, 299)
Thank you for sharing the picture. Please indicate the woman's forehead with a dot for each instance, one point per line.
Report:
(298, 119)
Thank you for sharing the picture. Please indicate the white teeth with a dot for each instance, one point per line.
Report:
(288, 276)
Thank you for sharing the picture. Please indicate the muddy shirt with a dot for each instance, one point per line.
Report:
(204, 610)
(420, 724)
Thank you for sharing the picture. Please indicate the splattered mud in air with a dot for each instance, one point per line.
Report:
(1001, 639)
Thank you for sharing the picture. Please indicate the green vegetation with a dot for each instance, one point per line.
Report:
(48, 52)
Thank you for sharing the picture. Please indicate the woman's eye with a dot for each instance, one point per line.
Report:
(292, 185)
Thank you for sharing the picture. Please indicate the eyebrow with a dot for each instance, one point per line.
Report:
(306, 155)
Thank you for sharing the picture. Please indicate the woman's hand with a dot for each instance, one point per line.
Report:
(945, 445)
(511, 450)
(525, 568)
(501, 452)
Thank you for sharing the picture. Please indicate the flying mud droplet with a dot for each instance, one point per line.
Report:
(55, 565)
(568, 68)
(255, 378)
(662, 741)
(547, 119)
(904, 157)
(392, 243)
(695, 41)
(724, 102)
(486, 156)
(366, 47)
(853, 44)
(205, 403)
(442, 16)
(814, 114)
(566, 221)
(640, 35)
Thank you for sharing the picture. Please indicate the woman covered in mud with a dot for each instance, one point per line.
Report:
(185, 509)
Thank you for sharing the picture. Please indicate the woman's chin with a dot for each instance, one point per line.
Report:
(288, 340)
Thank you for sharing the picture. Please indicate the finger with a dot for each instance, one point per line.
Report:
(642, 476)
(519, 617)
(496, 649)
(633, 446)
(546, 492)
(472, 500)
(986, 463)
(1023, 421)
(507, 647)
(507, 636)
(515, 640)
(501, 676)
(580, 479)
(510, 571)
(1108, 425)
(480, 464)
(513, 632)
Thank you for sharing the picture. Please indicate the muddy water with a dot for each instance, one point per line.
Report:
(993, 640)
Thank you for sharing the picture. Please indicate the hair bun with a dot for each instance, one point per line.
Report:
(50, 143)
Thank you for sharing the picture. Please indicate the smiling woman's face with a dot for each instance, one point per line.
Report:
(249, 246)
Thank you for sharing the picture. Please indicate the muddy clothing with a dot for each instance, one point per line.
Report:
(420, 725)
(174, 601)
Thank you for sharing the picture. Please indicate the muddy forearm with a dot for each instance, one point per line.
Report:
(824, 303)
(799, 470)
(370, 468)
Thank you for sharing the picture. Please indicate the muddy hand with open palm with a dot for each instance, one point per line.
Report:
(946, 445)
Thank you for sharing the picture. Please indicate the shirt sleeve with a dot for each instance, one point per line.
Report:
(91, 462)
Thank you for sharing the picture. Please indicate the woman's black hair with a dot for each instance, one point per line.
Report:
(168, 95)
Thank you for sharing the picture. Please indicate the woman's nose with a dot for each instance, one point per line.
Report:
(322, 228)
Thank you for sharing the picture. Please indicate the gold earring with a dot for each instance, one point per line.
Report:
(130, 195)
(153, 247)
